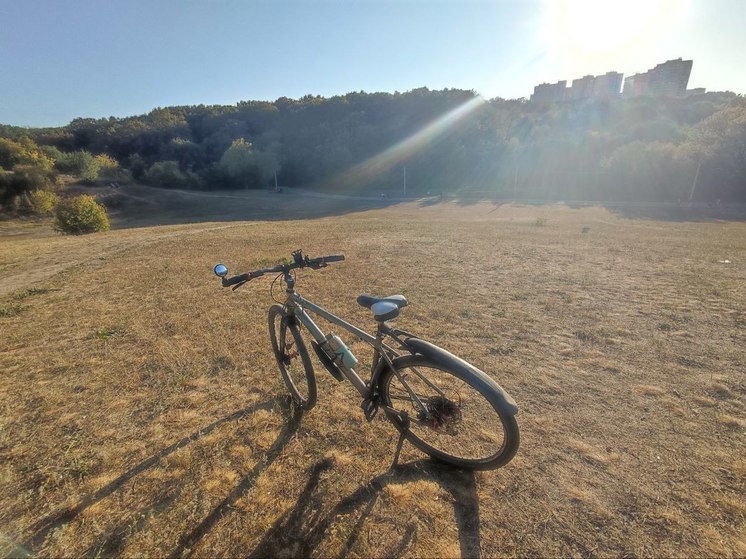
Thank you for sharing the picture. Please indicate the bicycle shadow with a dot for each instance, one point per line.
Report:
(289, 428)
(300, 530)
(43, 527)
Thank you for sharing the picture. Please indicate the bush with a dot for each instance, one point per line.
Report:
(109, 169)
(81, 214)
(24, 178)
(168, 175)
(43, 201)
(79, 163)
(11, 153)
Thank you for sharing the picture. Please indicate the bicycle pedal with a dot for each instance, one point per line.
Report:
(370, 409)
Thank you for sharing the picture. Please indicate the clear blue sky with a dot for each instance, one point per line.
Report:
(96, 58)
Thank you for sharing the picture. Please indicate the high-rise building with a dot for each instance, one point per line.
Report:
(550, 92)
(582, 88)
(608, 85)
(669, 78)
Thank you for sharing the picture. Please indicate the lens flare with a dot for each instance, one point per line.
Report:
(401, 151)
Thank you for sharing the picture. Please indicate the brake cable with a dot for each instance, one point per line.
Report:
(272, 287)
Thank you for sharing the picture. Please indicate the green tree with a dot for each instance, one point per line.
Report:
(11, 153)
(81, 164)
(247, 168)
(167, 174)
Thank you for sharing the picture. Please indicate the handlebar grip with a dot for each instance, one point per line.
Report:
(336, 258)
(236, 279)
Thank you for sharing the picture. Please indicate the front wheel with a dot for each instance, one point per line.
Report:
(449, 417)
(292, 357)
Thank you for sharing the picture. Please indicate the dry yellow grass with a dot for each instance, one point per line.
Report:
(142, 413)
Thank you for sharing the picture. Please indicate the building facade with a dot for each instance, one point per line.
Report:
(668, 79)
(607, 85)
(550, 92)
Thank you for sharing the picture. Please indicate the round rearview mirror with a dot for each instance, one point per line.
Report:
(221, 271)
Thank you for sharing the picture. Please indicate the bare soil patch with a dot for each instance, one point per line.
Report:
(142, 412)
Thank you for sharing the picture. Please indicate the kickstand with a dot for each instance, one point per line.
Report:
(403, 430)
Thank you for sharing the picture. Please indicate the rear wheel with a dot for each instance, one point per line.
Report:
(452, 417)
(292, 357)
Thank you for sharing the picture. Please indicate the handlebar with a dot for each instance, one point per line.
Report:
(299, 261)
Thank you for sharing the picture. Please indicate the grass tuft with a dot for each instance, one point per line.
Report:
(11, 309)
(585, 336)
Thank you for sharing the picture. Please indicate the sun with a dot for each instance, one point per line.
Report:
(604, 26)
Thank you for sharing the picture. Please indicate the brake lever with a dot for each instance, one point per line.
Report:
(239, 285)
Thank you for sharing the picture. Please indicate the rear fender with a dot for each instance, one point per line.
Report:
(465, 371)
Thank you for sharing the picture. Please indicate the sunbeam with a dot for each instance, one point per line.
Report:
(372, 167)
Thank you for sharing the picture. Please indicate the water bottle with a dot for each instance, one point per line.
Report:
(341, 354)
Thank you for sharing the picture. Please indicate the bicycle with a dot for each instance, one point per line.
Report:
(438, 402)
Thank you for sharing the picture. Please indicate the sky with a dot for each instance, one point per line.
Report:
(98, 58)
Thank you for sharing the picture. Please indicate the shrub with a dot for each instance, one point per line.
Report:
(81, 214)
(11, 153)
(24, 178)
(168, 175)
(43, 201)
(137, 166)
(80, 163)
(52, 153)
(109, 169)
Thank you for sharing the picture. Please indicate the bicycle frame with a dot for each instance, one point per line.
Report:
(296, 305)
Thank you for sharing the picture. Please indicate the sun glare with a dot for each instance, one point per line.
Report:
(592, 27)
(405, 148)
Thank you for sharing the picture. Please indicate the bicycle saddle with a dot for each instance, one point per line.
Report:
(384, 308)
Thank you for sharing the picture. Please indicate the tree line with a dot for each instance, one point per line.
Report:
(639, 149)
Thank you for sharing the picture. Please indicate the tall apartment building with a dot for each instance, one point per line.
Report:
(581, 88)
(669, 78)
(608, 85)
(550, 92)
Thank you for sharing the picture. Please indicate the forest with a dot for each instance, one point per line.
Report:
(642, 149)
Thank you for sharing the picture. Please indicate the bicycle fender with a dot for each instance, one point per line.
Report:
(504, 401)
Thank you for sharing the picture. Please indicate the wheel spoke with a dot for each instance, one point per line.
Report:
(456, 422)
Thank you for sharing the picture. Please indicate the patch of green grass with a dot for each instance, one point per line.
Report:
(585, 336)
(106, 333)
(564, 297)
(21, 295)
(11, 309)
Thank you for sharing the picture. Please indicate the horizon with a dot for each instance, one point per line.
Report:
(131, 59)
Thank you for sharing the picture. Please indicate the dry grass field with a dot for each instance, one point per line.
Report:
(143, 415)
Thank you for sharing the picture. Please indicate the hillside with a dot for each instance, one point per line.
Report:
(643, 149)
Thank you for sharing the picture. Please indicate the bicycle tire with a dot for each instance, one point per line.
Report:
(300, 382)
(463, 417)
